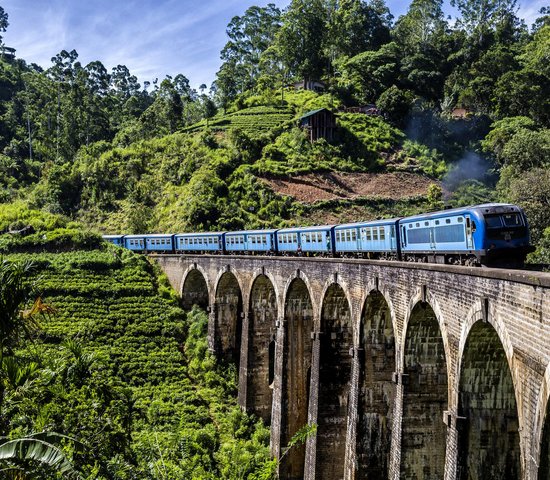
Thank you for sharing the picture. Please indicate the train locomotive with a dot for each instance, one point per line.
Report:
(493, 234)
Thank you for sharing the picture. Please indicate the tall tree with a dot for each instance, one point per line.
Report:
(420, 24)
(3, 22)
(249, 36)
(301, 40)
(478, 17)
(357, 26)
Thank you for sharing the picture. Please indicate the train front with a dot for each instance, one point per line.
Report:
(505, 234)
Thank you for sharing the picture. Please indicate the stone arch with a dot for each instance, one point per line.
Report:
(194, 288)
(228, 313)
(299, 275)
(262, 318)
(376, 388)
(425, 394)
(542, 437)
(335, 368)
(297, 358)
(487, 424)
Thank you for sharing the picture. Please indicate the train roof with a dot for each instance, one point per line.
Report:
(252, 232)
(201, 234)
(112, 236)
(385, 221)
(313, 228)
(154, 235)
(483, 208)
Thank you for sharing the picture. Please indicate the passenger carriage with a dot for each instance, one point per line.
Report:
(251, 241)
(377, 239)
(135, 243)
(117, 240)
(479, 235)
(159, 242)
(318, 240)
(209, 242)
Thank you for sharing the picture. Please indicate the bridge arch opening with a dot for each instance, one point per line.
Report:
(228, 315)
(195, 290)
(376, 389)
(488, 426)
(425, 398)
(544, 462)
(262, 317)
(334, 383)
(297, 354)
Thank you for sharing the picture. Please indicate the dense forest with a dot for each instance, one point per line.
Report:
(103, 375)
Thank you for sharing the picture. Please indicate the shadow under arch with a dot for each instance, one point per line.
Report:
(425, 397)
(228, 312)
(262, 317)
(335, 367)
(376, 388)
(194, 290)
(297, 357)
(488, 425)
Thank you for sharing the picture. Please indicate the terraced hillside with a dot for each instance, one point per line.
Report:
(121, 368)
(250, 120)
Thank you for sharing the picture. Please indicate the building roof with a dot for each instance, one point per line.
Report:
(313, 112)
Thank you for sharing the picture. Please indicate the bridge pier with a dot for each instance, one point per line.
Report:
(448, 365)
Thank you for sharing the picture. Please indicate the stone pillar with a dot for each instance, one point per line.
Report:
(311, 445)
(350, 468)
(243, 362)
(451, 451)
(276, 410)
(212, 328)
(395, 459)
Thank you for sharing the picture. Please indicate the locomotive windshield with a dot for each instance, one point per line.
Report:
(505, 220)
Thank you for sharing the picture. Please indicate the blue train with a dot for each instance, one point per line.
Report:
(492, 234)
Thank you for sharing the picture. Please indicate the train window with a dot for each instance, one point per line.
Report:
(511, 220)
(460, 219)
(369, 236)
(426, 223)
(437, 222)
(410, 225)
(382, 233)
(418, 224)
(354, 236)
(493, 221)
(375, 234)
(447, 220)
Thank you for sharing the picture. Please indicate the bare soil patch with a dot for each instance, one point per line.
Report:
(312, 188)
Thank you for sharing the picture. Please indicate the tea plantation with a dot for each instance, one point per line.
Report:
(121, 368)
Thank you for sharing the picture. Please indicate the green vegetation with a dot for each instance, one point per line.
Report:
(124, 371)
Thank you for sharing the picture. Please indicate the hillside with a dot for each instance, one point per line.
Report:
(123, 370)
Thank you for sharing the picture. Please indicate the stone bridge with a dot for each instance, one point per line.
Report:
(409, 371)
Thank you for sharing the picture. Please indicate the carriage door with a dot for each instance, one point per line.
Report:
(430, 224)
(393, 245)
(469, 239)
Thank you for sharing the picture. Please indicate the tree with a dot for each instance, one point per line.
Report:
(301, 39)
(479, 17)
(3, 22)
(249, 36)
(357, 26)
(416, 29)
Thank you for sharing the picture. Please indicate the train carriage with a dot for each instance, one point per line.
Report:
(159, 242)
(306, 240)
(368, 239)
(211, 242)
(479, 235)
(251, 241)
(117, 240)
(135, 243)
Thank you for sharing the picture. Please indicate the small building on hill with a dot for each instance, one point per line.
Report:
(7, 52)
(314, 85)
(319, 123)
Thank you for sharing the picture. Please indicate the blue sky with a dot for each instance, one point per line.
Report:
(152, 38)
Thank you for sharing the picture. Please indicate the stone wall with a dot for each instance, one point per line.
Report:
(409, 371)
